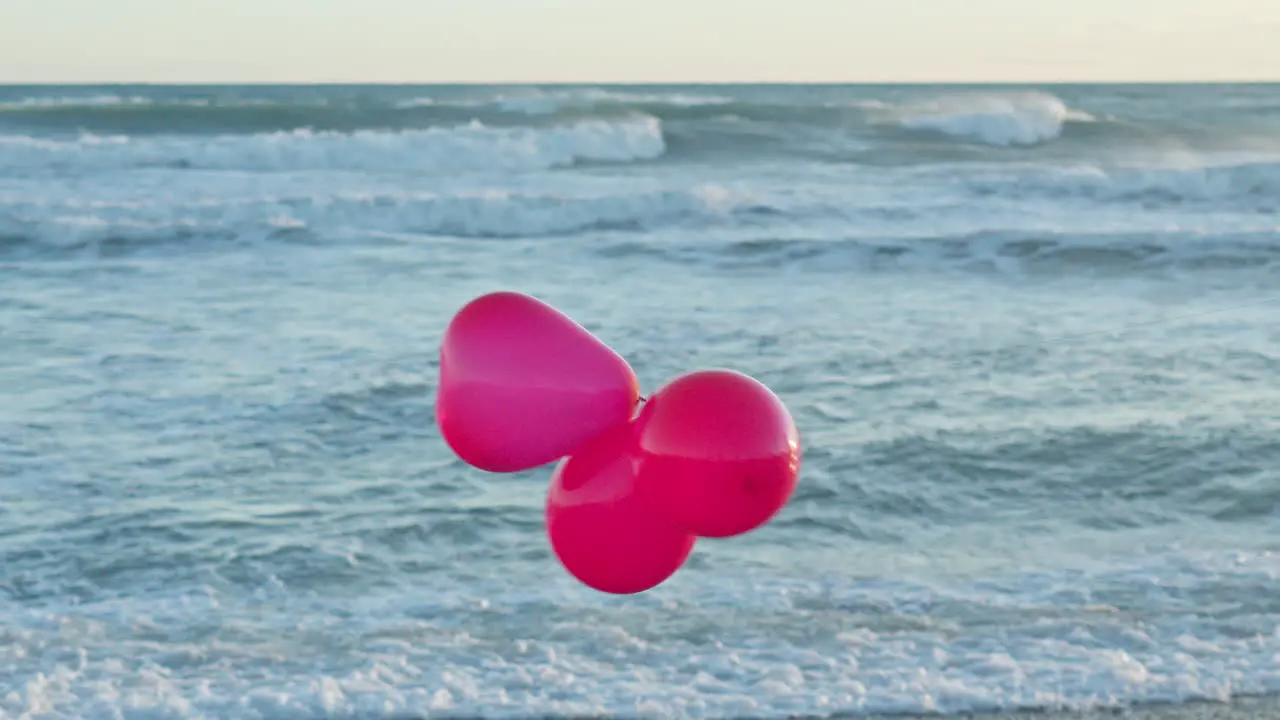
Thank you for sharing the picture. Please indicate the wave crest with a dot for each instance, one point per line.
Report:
(1001, 120)
(1251, 183)
(471, 147)
(126, 227)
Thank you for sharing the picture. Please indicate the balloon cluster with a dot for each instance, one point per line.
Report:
(713, 453)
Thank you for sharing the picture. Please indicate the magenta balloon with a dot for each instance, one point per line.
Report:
(719, 452)
(602, 531)
(522, 385)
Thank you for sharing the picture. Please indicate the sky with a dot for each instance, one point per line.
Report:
(629, 41)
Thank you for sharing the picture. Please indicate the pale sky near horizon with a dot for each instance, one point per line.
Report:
(638, 41)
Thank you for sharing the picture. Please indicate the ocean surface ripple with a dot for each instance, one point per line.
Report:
(1029, 336)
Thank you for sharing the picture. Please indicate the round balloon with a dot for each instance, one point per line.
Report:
(719, 452)
(522, 385)
(602, 531)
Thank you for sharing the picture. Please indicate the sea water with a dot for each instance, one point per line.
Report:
(1030, 337)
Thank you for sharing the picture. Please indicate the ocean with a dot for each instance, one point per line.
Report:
(1029, 336)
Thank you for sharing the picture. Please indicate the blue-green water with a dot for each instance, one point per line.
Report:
(1030, 337)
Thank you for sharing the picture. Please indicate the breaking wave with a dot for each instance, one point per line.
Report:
(470, 147)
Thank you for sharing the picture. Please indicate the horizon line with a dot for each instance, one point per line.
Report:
(510, 83)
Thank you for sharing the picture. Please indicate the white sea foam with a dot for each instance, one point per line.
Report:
(1000, 119)
(705, 645)
(470, 147)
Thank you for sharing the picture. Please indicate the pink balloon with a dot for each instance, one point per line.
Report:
(603, 532)
(719, 452)
(522, 385)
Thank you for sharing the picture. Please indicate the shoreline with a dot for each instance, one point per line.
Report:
(1261, 707)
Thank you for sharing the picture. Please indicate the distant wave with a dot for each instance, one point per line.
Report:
(126, 227)
(994, 251)
(470, 147)
(1249, 182)
(140, 115)
(529, 101)
(993, 119)
(737, 226)
(734, 121)
(539, 103)
(72, 101)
